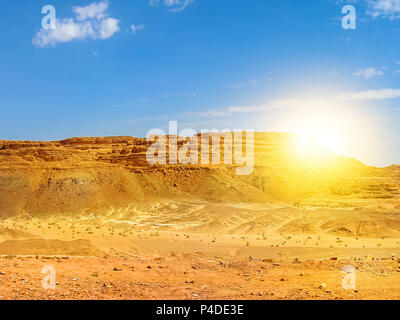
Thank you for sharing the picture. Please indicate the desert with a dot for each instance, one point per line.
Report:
(115, 227)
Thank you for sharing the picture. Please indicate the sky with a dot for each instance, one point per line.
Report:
(117, 67)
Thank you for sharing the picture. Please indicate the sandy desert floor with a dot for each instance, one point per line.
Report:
(195, 250)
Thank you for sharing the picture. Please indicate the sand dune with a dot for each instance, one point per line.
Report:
(49, 247)
(11, 234)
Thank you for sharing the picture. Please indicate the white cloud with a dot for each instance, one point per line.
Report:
(368, 73)
(384, 8)
(92, 11)
(173, 5)
(251, 83)
(382, 94)
(91, 22)
(108, 27)
(296, 103)
(231, 110)
(136, 28)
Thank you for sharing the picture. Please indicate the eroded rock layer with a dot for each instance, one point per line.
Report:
(96, 175)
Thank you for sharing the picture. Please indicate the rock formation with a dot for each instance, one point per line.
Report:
(96, 175)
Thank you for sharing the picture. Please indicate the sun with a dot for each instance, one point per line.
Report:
(315, 134)
(323, 129)
(329, 126)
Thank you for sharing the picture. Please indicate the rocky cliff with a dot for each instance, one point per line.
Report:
(96, 175)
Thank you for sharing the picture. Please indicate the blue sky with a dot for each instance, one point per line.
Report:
(125, 67)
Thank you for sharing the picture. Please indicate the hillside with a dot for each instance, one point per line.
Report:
(95, 175)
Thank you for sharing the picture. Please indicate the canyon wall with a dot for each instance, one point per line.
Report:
(96, 175)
